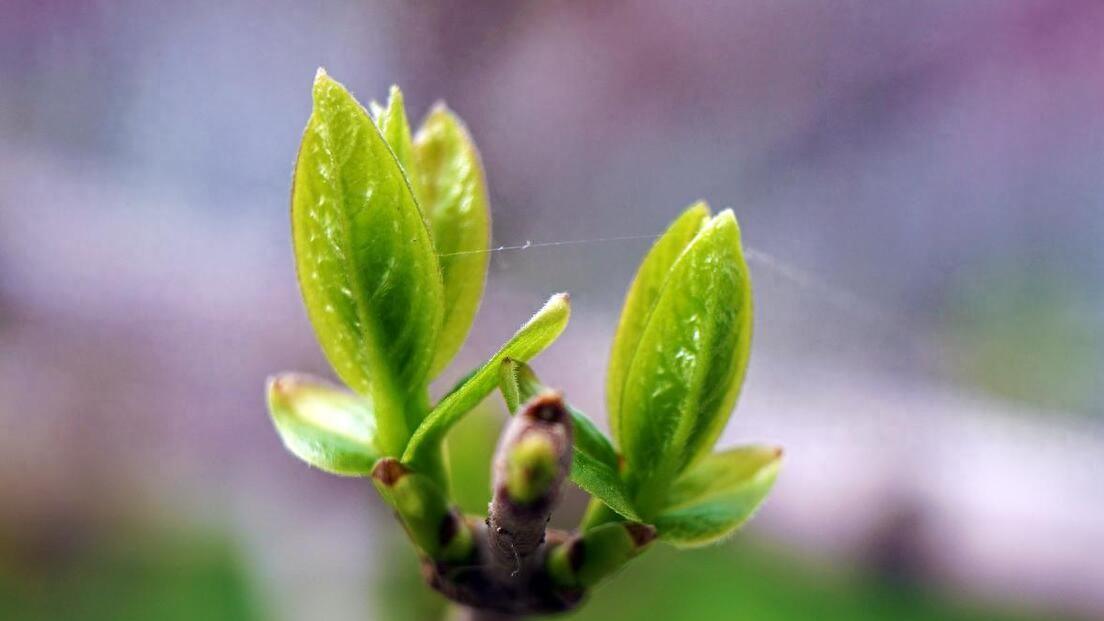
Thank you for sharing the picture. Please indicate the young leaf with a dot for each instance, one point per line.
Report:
(533, 337)
(687, 371)
(366, 265)
(395, 127)
(325, 426)
(452, 192)
(641, 299)
(601, 481)
(594, 462)
(376, 111)
(718, 495)
(510, 385)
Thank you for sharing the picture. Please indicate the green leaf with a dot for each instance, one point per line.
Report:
(720, 473)
(325, 426)
(641, 299)
(690, 363)
(452, 192)
(533, 337)
(509, 384)
(718, 495)
(598, 479)
(366, 264)
(395, 127)
(594, 462)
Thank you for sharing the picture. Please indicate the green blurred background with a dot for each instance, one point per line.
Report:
(921, 186)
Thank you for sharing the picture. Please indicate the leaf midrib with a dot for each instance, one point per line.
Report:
(369, 325)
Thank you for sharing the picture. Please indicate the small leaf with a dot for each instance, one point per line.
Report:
(717, 495)
(641, 299)
(533, 337)
(395, 127)
(690, 363)
(602, 482)
(594, 462)
(325, 426)
(366, 265)
(452, 192)
(508, 381)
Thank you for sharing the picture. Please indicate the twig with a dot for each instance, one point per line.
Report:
(531, 462)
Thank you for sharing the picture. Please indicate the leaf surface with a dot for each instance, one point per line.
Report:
(329, 428)
(717, 495)
(366, 265)
(452, 192)
(641, 299)
(689, 364)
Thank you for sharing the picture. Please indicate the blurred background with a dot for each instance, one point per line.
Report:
(920, 185)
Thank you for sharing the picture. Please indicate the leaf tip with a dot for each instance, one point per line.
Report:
(727, 220)
(725, 217)
(439, 107)
(278, 387)
(395, 100)
(558, 307)
(324, 87)
(376, 109)
(700, 207)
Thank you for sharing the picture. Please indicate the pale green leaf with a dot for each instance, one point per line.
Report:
(533, 337)
(690, 363)
(601, 481)
(720, 473)
(325, 426)
(451, 189)
(509, 384)
(717, 495)
(366, 264)
(641, 299)
(395, 127)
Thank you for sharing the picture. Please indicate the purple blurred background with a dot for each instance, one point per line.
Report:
(921, 186)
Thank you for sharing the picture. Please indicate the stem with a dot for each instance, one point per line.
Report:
(587, 558)
(496, 569)
(531, 462)
(432, 523)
